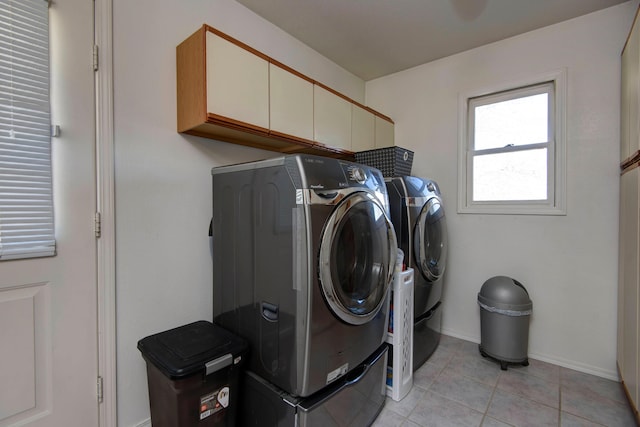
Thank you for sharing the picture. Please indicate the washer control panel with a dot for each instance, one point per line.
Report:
(357, 174)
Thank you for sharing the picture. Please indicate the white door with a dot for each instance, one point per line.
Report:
(48, 330)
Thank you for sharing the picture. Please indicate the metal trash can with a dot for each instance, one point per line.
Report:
(505, 309)
(193, 373)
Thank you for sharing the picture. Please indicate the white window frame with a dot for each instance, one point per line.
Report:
(555, 204)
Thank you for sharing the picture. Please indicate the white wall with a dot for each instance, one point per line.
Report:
(163, 181)
(567, 263)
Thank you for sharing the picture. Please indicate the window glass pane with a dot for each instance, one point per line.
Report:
(514, 122)
(518, 175)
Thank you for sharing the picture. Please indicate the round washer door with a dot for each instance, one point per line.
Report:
(430, 240)
(357, 258)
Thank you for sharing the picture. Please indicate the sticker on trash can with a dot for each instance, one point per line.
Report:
(214, 402)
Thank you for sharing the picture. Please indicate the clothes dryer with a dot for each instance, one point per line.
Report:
(303, 257)
(417, 213)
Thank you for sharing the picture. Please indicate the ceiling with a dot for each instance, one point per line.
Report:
(373, 38)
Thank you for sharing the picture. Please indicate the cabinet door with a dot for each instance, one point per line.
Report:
(291, 103)
(332, 119)
(630, 122)
(622, 242)
(384, 133)
(237, 82)
(629, 280)
(625, 97)
(362, 129)
(634, 90)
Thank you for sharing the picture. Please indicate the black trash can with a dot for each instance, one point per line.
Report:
(193, 374)
(505, 309)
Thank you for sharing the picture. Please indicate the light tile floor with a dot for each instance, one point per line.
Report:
(458, 387)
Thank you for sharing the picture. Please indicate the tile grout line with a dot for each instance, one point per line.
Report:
(560, 399)
(493, 392)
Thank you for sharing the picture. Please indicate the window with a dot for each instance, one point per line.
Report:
(26, 205)
(512, 150)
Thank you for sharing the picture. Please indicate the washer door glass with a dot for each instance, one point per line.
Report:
(430, 240)
(357, 258)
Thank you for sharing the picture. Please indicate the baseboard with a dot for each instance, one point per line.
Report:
(570, 364)
(145, 423)
(459, 336)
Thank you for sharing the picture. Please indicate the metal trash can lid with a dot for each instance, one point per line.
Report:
(505, 293)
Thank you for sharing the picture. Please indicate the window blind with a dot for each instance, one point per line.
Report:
(26, 200)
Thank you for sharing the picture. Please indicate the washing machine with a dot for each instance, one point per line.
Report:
(418, 215)
(303, 257)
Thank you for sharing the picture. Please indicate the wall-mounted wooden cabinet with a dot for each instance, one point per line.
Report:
(229, 91)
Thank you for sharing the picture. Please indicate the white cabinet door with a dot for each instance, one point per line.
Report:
(625, 97)
(332, 119)
(630, 91)
(291, 103)
(362, 129)
(629, 280)
(237, 82)
(634, 90)
(384, 133)
(622, 242)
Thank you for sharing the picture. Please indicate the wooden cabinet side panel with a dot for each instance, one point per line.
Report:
(190, 86)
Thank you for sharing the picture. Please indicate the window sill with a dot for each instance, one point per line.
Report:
(512, 210)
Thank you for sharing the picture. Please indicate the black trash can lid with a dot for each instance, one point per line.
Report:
(504, 293)
(193, 348)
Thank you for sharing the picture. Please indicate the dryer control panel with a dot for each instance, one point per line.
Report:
(357, 174)
(322, 173)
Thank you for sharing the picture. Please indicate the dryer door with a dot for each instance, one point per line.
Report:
(430, 240)
(357, 258)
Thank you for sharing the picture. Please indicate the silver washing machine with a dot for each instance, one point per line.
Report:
(303, 257)
(417, 213)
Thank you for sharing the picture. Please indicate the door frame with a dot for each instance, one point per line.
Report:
(105, 182)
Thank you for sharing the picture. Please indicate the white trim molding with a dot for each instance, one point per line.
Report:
(105, 181)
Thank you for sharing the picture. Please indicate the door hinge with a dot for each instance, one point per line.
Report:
(95, 57)
(99, 384)
(97, 224)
